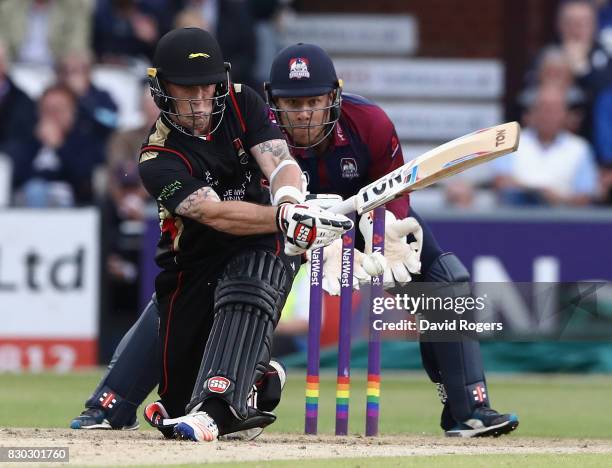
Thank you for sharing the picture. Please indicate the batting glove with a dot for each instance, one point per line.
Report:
(322, 200)
(309, 227)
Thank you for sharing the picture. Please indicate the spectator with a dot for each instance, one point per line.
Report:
(554, 68)
(54, 166)
(39, 31)
(124, 31)
(97, 111)
(17, 113)
(552, 166)
(577, 28)
(591, 64)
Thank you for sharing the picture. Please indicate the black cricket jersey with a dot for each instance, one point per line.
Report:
(173, 165)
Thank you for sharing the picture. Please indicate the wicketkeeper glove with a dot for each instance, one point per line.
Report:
(332, 254)
(309, 227)
(332, 268)
(402, 258)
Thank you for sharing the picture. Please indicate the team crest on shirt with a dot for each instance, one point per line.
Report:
(298, 68)
(348, 168)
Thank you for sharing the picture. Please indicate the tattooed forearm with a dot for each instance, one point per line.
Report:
(277, 149)
(192, 205)
(270, 155)
(279, 167)
(234, 217)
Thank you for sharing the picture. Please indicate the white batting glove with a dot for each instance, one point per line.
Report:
(309, 227)
(402, 258)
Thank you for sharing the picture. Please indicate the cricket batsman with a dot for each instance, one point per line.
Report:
(227, 255)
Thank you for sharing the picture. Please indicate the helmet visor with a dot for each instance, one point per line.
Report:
(195, 116)
(306, 126)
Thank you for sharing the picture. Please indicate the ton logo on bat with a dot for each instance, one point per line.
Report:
(500, 138)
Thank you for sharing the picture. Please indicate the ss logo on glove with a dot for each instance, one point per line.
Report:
(304, 235)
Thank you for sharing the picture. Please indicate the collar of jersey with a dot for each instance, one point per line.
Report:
(340, 136)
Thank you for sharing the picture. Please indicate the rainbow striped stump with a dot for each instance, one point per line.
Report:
(373, 389)
(314, 342)
(343, 393)
(312, 403)
(343, 382)
(372, 405)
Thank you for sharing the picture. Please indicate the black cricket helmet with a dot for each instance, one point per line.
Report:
(188, 57)
(304, 70)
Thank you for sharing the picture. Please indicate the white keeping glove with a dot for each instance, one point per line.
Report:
(332, 268)
(364, 266)
(402, 258)
(309, 227)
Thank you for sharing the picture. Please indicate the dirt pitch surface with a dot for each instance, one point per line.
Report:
(116, 448)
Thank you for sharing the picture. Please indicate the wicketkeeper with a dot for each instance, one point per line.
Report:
(344, 142)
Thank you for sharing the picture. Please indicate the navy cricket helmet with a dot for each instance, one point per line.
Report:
(188, 57)
(304, 70)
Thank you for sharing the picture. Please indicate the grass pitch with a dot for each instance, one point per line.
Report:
(552, 406)
(547, 405)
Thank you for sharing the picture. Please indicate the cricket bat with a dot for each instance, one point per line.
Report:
(441, 162)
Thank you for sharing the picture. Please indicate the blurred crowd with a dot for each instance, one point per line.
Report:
(565, 108)
(64, 147)
(57, 143)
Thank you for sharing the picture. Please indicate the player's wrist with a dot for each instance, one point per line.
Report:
(281, 216)
(288, 194)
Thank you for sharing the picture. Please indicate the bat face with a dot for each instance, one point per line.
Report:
(443, 161)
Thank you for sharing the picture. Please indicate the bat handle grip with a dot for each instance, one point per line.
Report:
(345, 207)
